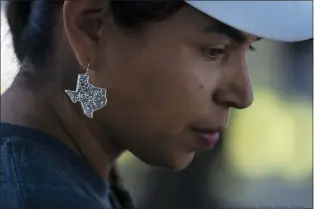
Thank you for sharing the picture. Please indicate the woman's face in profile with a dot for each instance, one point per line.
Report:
(169, 88)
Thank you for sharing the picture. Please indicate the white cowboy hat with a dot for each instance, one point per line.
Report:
(286, 21)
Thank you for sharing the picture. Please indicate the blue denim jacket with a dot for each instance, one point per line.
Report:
(38, 171)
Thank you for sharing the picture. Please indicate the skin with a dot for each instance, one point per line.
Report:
(162, 83)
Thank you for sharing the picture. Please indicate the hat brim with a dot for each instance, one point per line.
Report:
(285, 21)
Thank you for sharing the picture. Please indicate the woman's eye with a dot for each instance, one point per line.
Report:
(213, 53)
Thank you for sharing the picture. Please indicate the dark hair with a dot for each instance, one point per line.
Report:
(32, 22)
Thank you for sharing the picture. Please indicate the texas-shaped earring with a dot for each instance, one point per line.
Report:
(91, 98)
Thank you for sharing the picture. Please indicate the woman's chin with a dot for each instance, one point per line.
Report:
(180, 162)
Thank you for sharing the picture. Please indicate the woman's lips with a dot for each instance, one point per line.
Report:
(210, 138)
(207, 138)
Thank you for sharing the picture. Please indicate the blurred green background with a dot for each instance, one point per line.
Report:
(265, 157)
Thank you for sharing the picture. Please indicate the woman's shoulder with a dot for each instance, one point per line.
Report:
(40, 173)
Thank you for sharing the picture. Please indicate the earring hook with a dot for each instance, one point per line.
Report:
(87, 69)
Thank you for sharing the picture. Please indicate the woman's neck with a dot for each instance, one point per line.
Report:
(49, 110)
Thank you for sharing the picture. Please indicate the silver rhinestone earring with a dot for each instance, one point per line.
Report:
(91, 98)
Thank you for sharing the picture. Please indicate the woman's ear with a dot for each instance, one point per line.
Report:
(83, 22)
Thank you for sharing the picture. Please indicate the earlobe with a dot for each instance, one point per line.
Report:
(83, 21)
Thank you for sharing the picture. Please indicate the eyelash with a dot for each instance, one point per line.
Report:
(218, 51)
(252, 48)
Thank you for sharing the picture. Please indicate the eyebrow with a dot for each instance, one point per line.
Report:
(229, 31)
